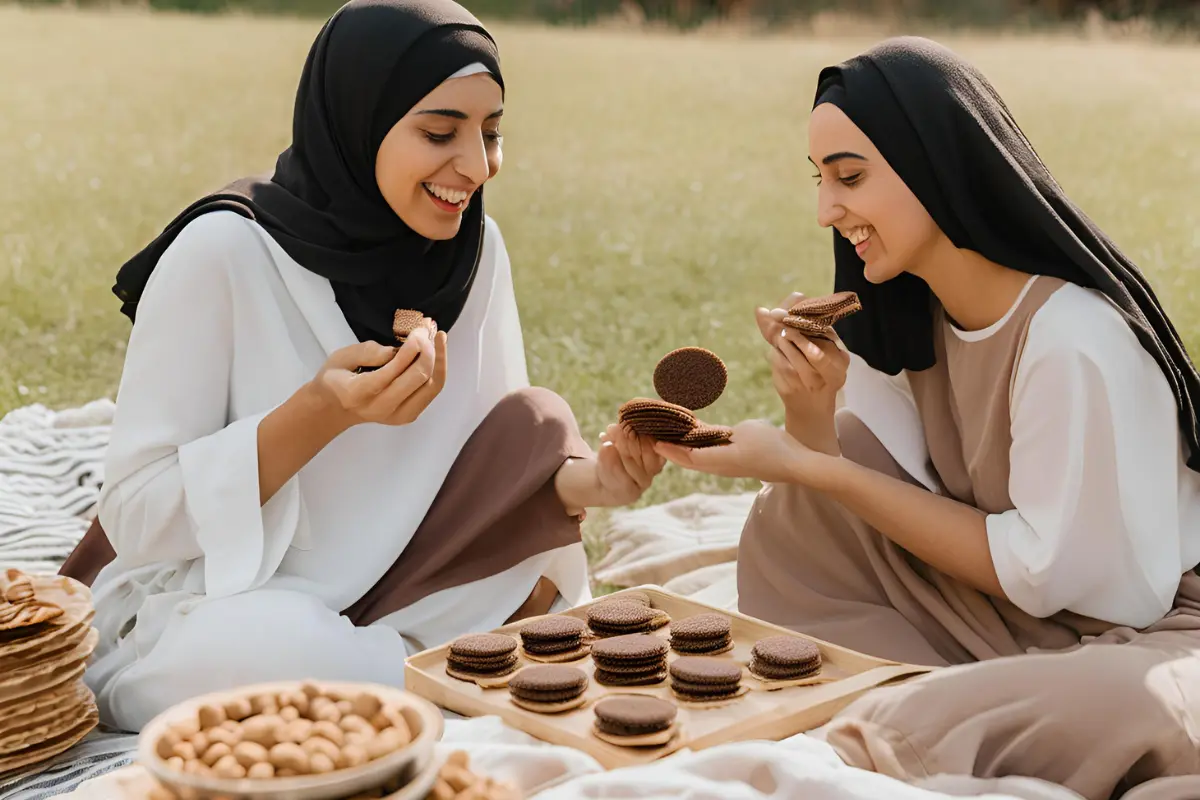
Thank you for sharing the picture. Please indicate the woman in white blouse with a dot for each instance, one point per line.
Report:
(289, 495)
(1010, 488)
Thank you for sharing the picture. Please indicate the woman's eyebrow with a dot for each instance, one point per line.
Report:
(456, 114)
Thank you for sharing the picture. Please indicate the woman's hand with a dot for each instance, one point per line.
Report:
(807, 374)
(403, 385)
(618, 475)
(757, 450)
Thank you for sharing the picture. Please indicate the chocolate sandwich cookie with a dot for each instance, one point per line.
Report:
(619, 617)
(632, 660)
(784, 658)
(691, 377)
(405, 321)
(702, 634)
(634, 720)
(707, 436)
(481, 655)
(557, 638)
(548, 688)
(657, 419)
(816, 316)
(699, 679)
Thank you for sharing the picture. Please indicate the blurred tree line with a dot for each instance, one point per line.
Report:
(1177, 14)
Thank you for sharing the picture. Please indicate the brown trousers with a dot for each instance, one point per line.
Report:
(497, 507)
(1096, 718)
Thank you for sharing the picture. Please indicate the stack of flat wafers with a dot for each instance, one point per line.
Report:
(687, 380)
(46, 639)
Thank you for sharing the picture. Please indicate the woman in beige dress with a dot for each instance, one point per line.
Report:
(1009, 490)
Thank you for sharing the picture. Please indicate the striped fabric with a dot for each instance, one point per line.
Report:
(98, 753)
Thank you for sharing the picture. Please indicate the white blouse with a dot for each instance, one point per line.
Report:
(1106, 513)
(228, 328)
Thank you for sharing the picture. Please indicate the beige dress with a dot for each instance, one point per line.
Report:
(1090, 705)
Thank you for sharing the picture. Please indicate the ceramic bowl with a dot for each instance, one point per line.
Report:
(413, 764)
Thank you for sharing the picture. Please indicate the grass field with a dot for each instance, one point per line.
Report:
(654, 191)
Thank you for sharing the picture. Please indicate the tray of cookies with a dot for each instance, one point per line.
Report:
(642, 673)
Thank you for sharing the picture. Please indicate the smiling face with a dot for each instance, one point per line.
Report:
(861, 196)
(438, 155)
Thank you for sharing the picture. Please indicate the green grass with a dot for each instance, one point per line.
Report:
(654, 190)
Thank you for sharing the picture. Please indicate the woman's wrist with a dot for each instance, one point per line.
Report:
(816, 434)
(574, 483)
(817, 470)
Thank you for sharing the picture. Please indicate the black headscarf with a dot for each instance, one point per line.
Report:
(945, 131)
(371, 63)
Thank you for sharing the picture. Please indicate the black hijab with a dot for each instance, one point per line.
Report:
(945, 131)
(372, 62)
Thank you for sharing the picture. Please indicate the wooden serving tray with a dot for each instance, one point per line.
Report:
(758, 714)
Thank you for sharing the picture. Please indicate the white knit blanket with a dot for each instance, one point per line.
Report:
(50, 473)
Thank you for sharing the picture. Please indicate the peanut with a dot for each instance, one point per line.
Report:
(353, 722)
(458, 778)
(187, 728)
(387, 741)
(289, 755)
(224, 736)
(310, 689)
(327, 730)
(345, 707)
(319, 764)
(211, 716)
(195, 767)
(296, 732)
(231, 725)
(442, 791)
(264, 704)
(165, 746)
(201, 742)
(239, 709)
(326, 711)
(380, 721)
(215, 752)
(228, 767)
(261, 770)
(185, 750)
(366, 705)
(459, 758)
(175, 763)
(353, 755)
(289, 713)
(318, 744)
(263, 730)
(250, 753)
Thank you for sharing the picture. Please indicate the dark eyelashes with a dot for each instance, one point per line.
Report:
(849, 180)
(445, 138)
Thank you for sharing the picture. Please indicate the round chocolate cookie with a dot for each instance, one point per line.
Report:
(707, 436)
(700, 634)
(698, 678)
(405, 321)
(656, 419)
(618, 617)
(631, 660)
(785, 658)
(553, 635)
(691, 377)
(634, 715)
(548, 688)
(482, 654)
(641, 598)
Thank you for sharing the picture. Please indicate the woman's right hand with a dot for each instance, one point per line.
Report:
(403, 384)
(807, 375)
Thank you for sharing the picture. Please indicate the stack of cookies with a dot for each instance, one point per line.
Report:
(784, 658)
(46, 639)
(702, 634)
(637, 659)
(687, 380)
(554, 639)
(619, 617)
(816, 316)
(635, 720)
(548, 688)
(705, 681)
(481, 656)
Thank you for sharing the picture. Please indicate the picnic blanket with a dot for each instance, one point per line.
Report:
(51, 468)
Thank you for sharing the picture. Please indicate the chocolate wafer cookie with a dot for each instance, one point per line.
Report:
(816, 316)
(548, 688)
(631, 660)
(701, 679)
(554, 638)
(656, 419)
(618, 617)
(707, 436)
(702, 634)
(784, 658)
(628, 717)
(481, 655)
(691, 377)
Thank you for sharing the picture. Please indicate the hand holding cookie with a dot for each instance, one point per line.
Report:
(756, 450)
(369, 382)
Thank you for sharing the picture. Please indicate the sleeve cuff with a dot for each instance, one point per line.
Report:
(243, 541)
(1014, 576)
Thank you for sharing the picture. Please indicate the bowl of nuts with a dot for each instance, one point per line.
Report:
(292, 741)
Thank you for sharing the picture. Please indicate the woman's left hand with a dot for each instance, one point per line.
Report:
(625, 466)
(757, 450)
